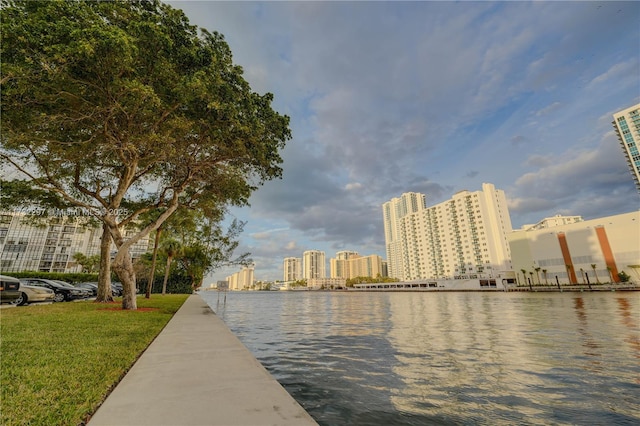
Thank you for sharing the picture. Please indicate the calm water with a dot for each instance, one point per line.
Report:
(447, 358)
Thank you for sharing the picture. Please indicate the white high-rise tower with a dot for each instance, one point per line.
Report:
(292, 268)
(313, 264)
(627, 126)
(394, 212)
(462, 236)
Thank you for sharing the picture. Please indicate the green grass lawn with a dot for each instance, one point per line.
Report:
(58, 362)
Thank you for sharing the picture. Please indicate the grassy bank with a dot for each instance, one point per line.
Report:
(58, 362)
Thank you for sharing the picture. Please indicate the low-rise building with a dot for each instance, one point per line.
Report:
(326, 283)
(583, 252)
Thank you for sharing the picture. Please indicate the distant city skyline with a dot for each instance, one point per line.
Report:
(430, 97)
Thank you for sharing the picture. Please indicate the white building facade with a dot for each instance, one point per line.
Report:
(242, 280)
(292, 267)
(466, 235)
(589, 251)
(550, 222)
(627, 126)
(47, 244)
(314, 264)
(393, 212)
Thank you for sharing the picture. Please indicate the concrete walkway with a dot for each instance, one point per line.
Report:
(196, 372)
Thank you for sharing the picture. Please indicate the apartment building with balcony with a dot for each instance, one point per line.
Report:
(313, 264)
(466, 235)
(627, 126)
(292, 268)
(47, 244)
(394, 212)
(356, 266)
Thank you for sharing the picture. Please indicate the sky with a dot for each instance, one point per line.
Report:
(430, 97)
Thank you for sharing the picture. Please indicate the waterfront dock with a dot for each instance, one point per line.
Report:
(196, 372)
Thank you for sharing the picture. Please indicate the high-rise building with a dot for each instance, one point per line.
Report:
(345, 254)
(465, 235)
(338, 266)
(313, 264)
(353, 265)
(242, 280)
(292, 269)
(394, 212)
(627, 126)
(365, 266)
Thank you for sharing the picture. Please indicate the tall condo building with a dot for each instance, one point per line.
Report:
(338, 266)
(292, 269)
(358, 266)
(313, 264)
(464, 235)
(627, 126)
(242, 280)
(346, 255)
(394, 212)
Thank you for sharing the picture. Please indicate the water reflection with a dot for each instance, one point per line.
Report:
(448, 358)
(629, 318)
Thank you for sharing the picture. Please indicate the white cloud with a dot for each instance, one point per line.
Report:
(353, 186)
(615, 72)
(548, 109)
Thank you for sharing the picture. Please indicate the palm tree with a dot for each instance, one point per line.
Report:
(524, 276)
(593, 266)
(531, 278)
(544, 272)
(171, 248)
(610, 271)
(538, 274)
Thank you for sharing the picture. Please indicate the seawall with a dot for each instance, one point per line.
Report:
(196, 372)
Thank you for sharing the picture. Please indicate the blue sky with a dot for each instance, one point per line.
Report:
(432, 97)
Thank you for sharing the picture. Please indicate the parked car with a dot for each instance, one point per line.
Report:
(85, 292)
(92, 287)
(62, 293)
(116, 289)
(34, 294)
(9, 289)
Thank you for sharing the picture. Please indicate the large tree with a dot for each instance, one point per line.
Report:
(122, 108)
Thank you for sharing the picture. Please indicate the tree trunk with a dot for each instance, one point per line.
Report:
(153, 264)
(123, 267)
(122, 264)
(105, 294)
(166, 275)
